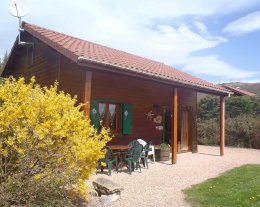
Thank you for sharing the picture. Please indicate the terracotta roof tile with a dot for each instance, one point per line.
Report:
(81, 50)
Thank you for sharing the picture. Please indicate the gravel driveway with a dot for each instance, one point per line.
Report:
(161, 184)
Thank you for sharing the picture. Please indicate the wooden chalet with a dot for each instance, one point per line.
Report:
(135, 97)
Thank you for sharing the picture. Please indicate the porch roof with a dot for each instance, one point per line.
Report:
(238, 91)
(82, 51)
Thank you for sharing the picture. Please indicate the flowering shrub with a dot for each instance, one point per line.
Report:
(165, 146)
(47, 147)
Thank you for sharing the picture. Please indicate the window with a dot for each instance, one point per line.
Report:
(109, 116)
(116, 117)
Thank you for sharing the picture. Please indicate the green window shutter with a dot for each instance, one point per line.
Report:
(94, 115)
(126, 119)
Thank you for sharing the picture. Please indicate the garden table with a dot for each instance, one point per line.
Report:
(121, 150)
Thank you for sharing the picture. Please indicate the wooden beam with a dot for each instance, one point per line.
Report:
(175, 125)
(222, 125)
(87, 93)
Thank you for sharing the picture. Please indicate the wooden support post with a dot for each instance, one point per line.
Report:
(196, 126)
(196, 133)
(87, 93)
(222, 125)
(174, 127)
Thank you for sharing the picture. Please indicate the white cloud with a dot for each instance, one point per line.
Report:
(202, 28)
(149, 9)
(246, 24)
(163, 43)
(222, 71)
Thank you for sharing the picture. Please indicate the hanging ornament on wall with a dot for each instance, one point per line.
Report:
(149, 115)
(125, 114)
(158, 119)
(94, 111)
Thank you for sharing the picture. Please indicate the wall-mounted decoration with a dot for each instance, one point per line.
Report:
(150, 115)
(157, 119)
(94, 115)
(125, 114)
(127, 122)
(94, 111)
(159, 128)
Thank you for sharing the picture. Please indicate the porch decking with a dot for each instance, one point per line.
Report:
(162, 183)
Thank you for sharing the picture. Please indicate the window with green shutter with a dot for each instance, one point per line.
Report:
(116, 117)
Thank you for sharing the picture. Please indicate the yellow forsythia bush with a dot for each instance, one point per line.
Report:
(47, 146)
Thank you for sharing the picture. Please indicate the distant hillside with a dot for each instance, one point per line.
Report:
(251, 87)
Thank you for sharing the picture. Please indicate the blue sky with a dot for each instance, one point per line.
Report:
(217, 40)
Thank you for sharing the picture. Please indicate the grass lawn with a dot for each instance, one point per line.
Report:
(237, 187)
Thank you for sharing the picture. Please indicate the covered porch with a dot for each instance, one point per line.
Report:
(134, 107)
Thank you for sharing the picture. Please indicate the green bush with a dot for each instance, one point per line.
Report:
(208, 132)
(208, 108)
(255, 140)
(242, 121)
(240, 131)
(239, 105)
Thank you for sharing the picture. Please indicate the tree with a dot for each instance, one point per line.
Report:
(1, 65)
(3, 61)
(208, 108)
(47, 147)
(238, 105)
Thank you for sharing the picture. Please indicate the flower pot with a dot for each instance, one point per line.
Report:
(164, 155)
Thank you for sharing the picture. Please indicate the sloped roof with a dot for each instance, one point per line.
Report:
(81, 51)
(238, 91)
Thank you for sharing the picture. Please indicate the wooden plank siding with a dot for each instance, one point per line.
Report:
(142, 94)
(45, 63)
(187, 98)
(72, 78)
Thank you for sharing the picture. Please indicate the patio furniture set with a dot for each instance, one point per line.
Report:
(131, 156)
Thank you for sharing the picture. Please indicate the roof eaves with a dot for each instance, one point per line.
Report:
(239, 91)
(140, 71)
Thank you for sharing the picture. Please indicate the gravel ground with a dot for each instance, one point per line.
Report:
(162, 184)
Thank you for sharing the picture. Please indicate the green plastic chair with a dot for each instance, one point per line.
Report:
(131, 144)
(109, 159)
(133, 159)
(144, 155)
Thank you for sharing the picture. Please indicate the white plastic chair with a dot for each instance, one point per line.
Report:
(142, 142)
(151, 152)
